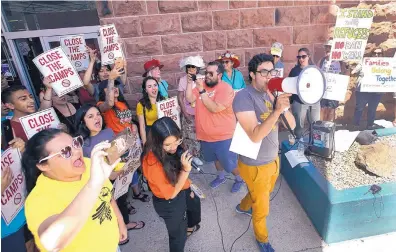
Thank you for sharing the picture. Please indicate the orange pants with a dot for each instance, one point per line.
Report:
(260, 181)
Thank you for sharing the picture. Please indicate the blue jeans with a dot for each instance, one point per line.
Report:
(363, 98)
(220, 151)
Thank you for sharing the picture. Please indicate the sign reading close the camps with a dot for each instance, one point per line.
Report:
(350, 34)
(55, 65)
(169, 108)
(74, 47)
(110, 49)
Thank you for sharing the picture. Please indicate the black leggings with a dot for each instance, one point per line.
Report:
(178, 214)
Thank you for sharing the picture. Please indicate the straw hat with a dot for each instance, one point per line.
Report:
(230, 56)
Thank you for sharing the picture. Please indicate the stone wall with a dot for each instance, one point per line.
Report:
(171, 30)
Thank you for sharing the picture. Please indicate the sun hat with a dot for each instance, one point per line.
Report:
(277, 49)
(149, 65)
(230, 56)
(196, 61)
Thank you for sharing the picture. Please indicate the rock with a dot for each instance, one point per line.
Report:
(376, 158)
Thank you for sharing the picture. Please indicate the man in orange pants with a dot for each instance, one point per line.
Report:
(253, 107)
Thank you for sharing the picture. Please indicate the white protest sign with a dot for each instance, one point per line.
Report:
(242, 145)
(74, 47)
(44, 119)
(57, 66)
(169, 108)
(13, 198)
(109, 47)
(280, 72)
(379, 75)
(336, 86)
(350, 34)
(295, 158)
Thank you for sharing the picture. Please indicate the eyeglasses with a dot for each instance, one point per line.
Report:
(302, 56)
(275, 56)
(378, 54)
(211, 74)
(177, 143)
(190, 66)
(265, 72)
(66, 152)
(225, 62)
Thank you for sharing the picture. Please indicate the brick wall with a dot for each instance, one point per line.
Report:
(171, 30)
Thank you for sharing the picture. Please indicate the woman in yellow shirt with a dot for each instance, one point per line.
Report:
(69, 206)
(146, 109)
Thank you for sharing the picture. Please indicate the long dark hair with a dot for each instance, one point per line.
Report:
(145, 101)
(310, 62)
(97, 67)
(80, 126)
(120, 98)
(161, 129)
(34, 151)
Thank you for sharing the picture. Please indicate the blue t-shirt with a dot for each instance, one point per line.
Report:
(237, 82)
(9, 115)
(163, 88)
(16, 224)
(106, 134)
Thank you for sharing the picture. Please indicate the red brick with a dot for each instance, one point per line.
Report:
(249, 53)
(126, 26)
(239, 38)
(310, 34)
(135, 85)
(274, 3)
(212, 5)
(198, 21)
(166, 6)
(135, 66)
(170, 78)
(143, 46)
(226, 20)
(288, 68)
(152, 7)
(182, 43)
(318, 52)
(170, 62)
(257, 18)
(214, 40)
(267, 36)
(239, 52)
(289, 16)
(321, 15)
(160, 24)
(99, 8)
(207, 56)
(242, 4)
(290, 52)
(311, 2)
(129, 8)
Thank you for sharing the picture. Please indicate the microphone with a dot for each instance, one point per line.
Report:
(196, 163)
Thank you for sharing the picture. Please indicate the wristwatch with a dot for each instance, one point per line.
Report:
(202, 92)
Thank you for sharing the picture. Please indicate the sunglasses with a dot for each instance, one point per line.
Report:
(66, 152)
(275, 56)
(190, 66)
(225, 62)
(302, 56)
(211, 74)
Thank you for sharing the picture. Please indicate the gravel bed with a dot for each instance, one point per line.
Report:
(342, 171)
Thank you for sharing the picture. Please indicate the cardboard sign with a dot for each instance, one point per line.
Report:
(57, 66)
(350, 35)
(74, 47)
(336, 86)
(39, 121)
(379, 75)
(109, 47)
(169, 108)
(242, 145)
(13, 198)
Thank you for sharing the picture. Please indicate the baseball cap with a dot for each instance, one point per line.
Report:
(277, 49)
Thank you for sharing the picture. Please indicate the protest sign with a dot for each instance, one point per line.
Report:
(55, 65)
(44, 119)
(241, 144)
(280, 72)
(169, 108)
(74, 47)
(379, 75)
(13, 198)
(350, 34)
(109, 47)
(336, 86)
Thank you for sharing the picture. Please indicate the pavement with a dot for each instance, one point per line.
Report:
(290, 230)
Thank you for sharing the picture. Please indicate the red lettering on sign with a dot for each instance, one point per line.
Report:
(110, 48)
(336, 55)
(6, 161)
(50, 57)
(11, 189)
(65, 73)
(40, 120)
(339, 45)
(109, 31)
(74, 41)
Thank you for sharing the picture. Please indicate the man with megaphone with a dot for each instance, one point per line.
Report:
(256, 113)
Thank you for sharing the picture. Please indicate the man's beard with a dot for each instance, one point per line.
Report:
(212, 83)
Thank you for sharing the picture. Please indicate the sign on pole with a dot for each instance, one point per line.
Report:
(350, 34)
(57, 66)
(13, 198)
(379, 75)
(336, 86)
(44, 119)
(109, 47)
(74, 47)
(169, 108)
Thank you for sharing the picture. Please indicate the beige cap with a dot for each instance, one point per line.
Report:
(277, 49)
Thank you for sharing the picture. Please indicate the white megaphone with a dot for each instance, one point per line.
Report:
(310, 85)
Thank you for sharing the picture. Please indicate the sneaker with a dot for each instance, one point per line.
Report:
(239, 210)
(218, 181)
(265, 247)
(236, 186)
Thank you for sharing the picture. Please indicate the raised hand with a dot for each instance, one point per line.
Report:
(47, 82)
(186, 159)
(283, 102)
(92, 53)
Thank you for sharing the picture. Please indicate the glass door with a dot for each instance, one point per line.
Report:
(91, 39)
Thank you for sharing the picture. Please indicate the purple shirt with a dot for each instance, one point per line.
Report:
(90, 142)
(182, 88)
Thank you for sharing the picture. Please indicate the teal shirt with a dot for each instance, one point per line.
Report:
(237, 82)
(163, 88)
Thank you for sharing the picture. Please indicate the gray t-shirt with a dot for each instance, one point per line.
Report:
(249, 99)
(90, 142)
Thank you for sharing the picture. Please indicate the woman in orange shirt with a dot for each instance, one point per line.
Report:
(167, 175)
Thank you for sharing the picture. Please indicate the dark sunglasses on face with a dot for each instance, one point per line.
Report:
(265, 72)
(225, 62)
(190, 66)
(66, 152)
(211, 74)
(275, 56)
(302, 56)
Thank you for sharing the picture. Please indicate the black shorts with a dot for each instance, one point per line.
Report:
(324, 103)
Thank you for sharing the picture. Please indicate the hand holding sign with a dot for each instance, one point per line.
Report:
(17, 143)
(6, 176)
(92, 53)
(116, 72)
(47, 82)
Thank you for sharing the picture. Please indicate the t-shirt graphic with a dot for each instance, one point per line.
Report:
(103, 212)
(266, 114)
(125, 116)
